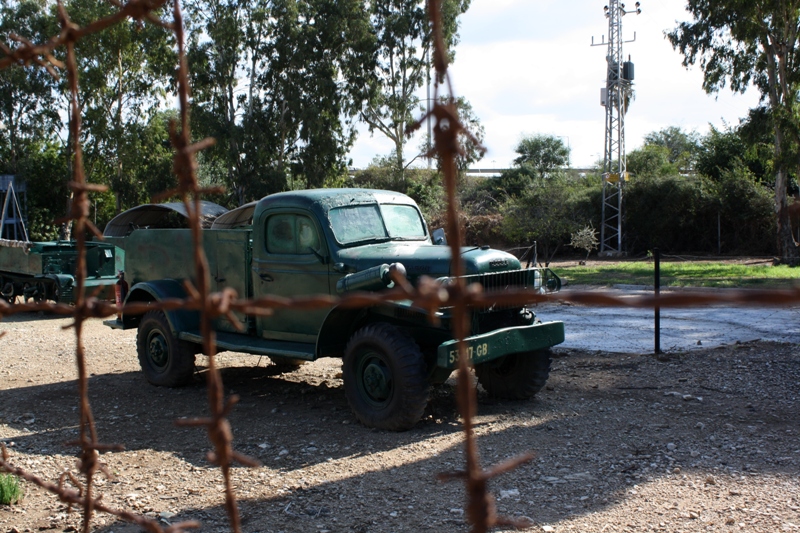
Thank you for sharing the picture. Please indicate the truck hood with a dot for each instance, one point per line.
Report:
(426, 259)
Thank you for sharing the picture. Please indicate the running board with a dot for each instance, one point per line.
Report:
(235, 342)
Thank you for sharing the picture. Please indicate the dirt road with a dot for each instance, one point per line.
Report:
(701, 441)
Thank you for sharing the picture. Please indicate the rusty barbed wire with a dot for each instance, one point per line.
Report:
(428, 294)
(219, 430)
(481, 509)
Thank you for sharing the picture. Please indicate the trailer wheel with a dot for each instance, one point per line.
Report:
(8, 291)
(516, 376)
(384, 378)
(165, 360)
(41, 292)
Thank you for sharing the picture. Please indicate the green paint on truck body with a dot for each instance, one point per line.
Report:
(305, 243)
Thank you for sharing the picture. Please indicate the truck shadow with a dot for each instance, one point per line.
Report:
(379, 490)
(597, 447)
(275, 409)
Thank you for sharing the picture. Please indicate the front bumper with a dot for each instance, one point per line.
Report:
(502, 342)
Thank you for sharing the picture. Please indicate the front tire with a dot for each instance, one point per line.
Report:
(165, 360)
(384, 378)
(516, 376)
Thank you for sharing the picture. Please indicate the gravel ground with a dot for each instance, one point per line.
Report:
(705, 440)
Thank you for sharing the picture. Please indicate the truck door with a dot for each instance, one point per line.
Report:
(229, 265)
(290, 262)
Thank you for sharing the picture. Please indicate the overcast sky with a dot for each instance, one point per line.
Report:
(527, 66)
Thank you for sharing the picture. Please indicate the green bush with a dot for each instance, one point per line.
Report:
(10, 489)
(747, 213)
(684, 214)
(548, 211)
(674, 213)
(423, 185)
(677, 213)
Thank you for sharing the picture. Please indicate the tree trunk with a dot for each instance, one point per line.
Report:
(65, 231)
(787, 247)
(118, 128)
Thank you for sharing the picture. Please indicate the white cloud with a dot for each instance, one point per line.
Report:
(527, 67)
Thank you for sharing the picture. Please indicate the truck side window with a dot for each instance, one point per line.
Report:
(291, 234)
(307, 238)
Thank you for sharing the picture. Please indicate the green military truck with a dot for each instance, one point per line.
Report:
(332, 241)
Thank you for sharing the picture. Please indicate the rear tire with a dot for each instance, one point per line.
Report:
(384, 378)
(165, 360)
(516, 376)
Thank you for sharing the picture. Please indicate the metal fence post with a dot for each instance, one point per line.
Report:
(656, 308)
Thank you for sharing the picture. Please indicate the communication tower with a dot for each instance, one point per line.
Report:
(615, 97)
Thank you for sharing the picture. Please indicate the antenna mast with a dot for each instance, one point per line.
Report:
(616, 97)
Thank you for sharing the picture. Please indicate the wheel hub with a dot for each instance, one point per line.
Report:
(158, 351)
(377, 381)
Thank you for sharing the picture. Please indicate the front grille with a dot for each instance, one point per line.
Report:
(501, 282)
(537, 279)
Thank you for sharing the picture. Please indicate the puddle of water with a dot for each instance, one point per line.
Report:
(616, 329)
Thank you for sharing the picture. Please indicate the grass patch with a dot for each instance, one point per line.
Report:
(10, 489)
(683, 274)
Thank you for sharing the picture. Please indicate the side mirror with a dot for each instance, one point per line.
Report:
(439, 237)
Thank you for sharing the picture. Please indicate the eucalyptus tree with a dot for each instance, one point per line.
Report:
(322, 69)
(28, 108)
(278, 83)
(682, 147)
(216, 48)
(753, 42)
(125, 75)
(403, 34)
(470, 139)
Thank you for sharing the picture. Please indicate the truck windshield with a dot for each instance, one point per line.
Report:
(361, 223)
(403, 222)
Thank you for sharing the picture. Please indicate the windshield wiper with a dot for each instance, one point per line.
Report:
(369, 240)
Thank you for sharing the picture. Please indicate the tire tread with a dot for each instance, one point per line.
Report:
(181, 370)
(411, 380)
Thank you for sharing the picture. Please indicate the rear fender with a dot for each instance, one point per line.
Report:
(159, 291)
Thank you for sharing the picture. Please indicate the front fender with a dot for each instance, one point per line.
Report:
(158, 291)
(341, 323)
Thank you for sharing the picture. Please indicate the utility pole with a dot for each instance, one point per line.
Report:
(428, 105)
(615, 97)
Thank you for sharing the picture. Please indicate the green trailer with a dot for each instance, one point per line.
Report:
(42, 271)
